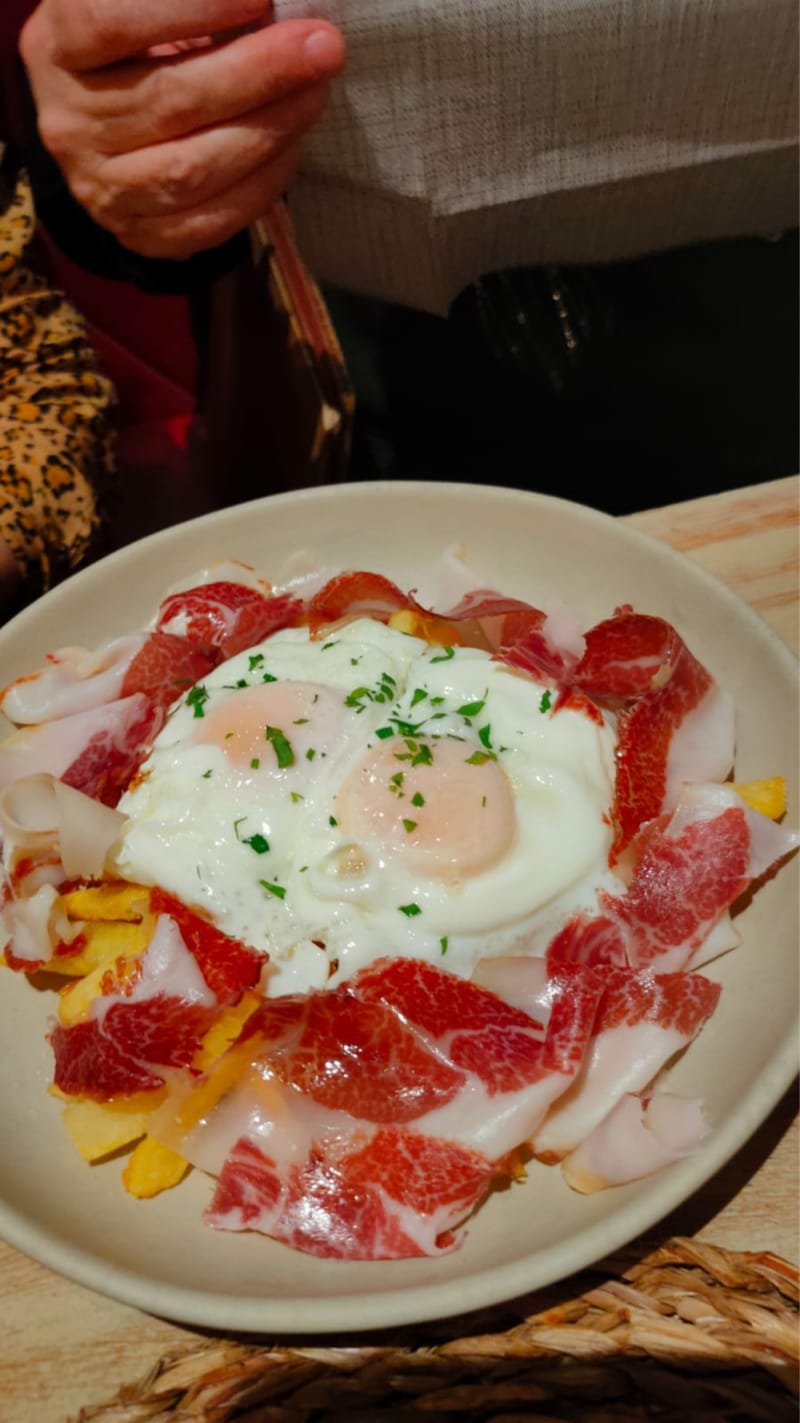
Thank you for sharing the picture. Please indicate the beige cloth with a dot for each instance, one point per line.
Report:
(472, 135)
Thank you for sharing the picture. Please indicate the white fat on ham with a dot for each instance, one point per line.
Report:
(769, 842)
(25, 925)
(442, 585)
(40, 815)
(226, 571)
(636, 1139)
(702, 747)
(282, 1122)
(562, 629)
(72, 680)
(167, 969)
(619, 1060)
(520, 981)
(53, 746)
(723, 937)
(494, 1124)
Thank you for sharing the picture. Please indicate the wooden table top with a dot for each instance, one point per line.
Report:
(62, 1346)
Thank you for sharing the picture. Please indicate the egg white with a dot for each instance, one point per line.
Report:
(322, 904)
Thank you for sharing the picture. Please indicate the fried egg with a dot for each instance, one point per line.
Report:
(330, 802)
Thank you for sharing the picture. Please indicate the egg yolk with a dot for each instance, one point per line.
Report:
(245, 724)
(448, 816)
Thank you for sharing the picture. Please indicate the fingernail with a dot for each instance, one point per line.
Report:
(325, 50)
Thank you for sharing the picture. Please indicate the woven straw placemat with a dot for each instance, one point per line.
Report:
(691, 1332)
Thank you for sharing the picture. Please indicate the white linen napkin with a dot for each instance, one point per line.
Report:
(471, 135)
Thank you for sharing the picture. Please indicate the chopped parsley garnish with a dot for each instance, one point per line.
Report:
(485, 736)
(281, 747)
(383, 732)
(268, 677)
(446, 654)
(310, 753)
(257, 660)
(417, 799)
(546, 702)
(410, 825)
(277, 889)
(472, 708)
(396, 781)
(197, 699)
(423, 757)
(256, 842)
(443, 944)
(207, 775)
(242, 682)
(384, 691)
(354, 661)
(479, 757)
(296, 797)
(300, 721)
(436, 701)
(409, 910)
(419, 696)
(332, 821)
(326, 645)
(255, 763)
(356, 697)
(406, 728)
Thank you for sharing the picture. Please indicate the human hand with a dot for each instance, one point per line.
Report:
(176, 122)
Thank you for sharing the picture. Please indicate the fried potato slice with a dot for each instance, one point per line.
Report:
(113, 901)
(99, 1128)
(75, 1001)
(100, 943)
(767, 797)
(153, 1168)
(225, 1031)
(431, 628)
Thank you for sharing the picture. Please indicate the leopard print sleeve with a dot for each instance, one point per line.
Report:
(56, 440)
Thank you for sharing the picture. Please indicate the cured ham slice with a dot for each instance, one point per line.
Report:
(165, 667)
(636, 1139)
(352, 1055)
(590, 940)
(392, 1104)
(674, 724)
(228, 966)
(649, 729)
(25, 928)
(481, 618)
(642, 1021)
(227, 616)
(689, 869)
(155, 1018)
(628, 656)
(96, 751)
(355, 594)
(389, 1194)
(681, 885)
(41, 817)
(72, 680)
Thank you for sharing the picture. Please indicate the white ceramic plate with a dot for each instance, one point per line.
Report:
(156, 1254)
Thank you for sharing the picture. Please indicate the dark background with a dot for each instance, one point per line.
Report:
(626, 386)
